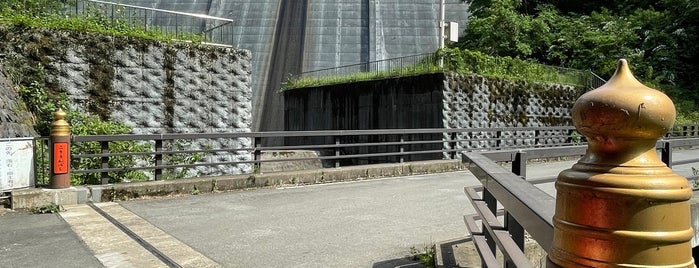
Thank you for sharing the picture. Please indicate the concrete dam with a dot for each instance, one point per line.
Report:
(288, 37)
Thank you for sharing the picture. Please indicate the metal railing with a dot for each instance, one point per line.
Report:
(427, 62)
(162, 153)
(430, 63)
(596, 81)
(178, 24)
(524, 206)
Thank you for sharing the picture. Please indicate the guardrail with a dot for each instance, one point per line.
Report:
(524, 206)
(162, 153)
(427, 62)
(430, 62)
(214, 29)
(595, 80)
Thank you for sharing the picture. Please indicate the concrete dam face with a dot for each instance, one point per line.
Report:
(288, 37)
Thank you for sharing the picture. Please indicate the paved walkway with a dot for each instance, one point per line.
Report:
(372, 223)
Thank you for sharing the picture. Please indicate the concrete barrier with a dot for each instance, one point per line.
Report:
(33, 197)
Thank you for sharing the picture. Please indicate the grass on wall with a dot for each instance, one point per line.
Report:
(418, 69)
(459, 61)
(50, 14)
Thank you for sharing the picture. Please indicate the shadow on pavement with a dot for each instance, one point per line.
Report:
(405, 262)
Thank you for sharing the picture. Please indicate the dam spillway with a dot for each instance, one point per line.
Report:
(326, 34)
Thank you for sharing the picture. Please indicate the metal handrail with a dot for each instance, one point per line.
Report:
(218, 32)
(334, 69)
(596, 81)
(337, 147)
(530, 208)
(308, 133)
(203, 16)
(425, 61)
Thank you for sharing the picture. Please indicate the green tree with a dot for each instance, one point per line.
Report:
(659, 38)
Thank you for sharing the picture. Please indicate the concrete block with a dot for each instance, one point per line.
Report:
(289, 165)
(96, 194)
(34, 197)
(344, 174)
(391, 170)
(81, 194)
(436, 166)
(228, 183)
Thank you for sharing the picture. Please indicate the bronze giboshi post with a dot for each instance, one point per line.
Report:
(620, 205)
(59, 152)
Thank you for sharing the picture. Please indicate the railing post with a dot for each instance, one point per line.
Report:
(498, 138)
(619, 206)
(337, 151)
(492, 203)
(402, 148)
(59, 151)
(519, 164)
(158, 159)
(452, 145)
(666, 154)
(519, 167)
(104, 161)
(256, 154)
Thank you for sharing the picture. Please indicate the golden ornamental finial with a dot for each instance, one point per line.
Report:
(623, 108)
(59, 115)
(59, 126)
(619, 205)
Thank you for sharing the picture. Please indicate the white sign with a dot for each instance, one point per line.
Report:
(16, 163)
(453, 31)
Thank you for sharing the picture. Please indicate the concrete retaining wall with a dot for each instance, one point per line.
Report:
(434, 101)
(472, 101)
(152, 86)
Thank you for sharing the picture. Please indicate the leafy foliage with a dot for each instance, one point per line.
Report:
(467, 62)
(180, 158)
(659, 38)
(34, 7)
(51, 14)
(83, 124)
(86, 124)
(425, 256)
(47, 209)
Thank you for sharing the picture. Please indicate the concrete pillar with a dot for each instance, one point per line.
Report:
(620, 205)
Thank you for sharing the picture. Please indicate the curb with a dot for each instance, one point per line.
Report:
(36, 197)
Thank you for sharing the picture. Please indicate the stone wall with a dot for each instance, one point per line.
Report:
(472, 101)
(15, 120)
(152, 86)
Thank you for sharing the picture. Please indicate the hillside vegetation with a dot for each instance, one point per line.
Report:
(52, 14)
(658, 38)
(27, 75)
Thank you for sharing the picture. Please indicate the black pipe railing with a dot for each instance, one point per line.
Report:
(336, 147)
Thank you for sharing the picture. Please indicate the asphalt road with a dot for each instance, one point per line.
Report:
(372, 223)
(41, 241)
(359, 224)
